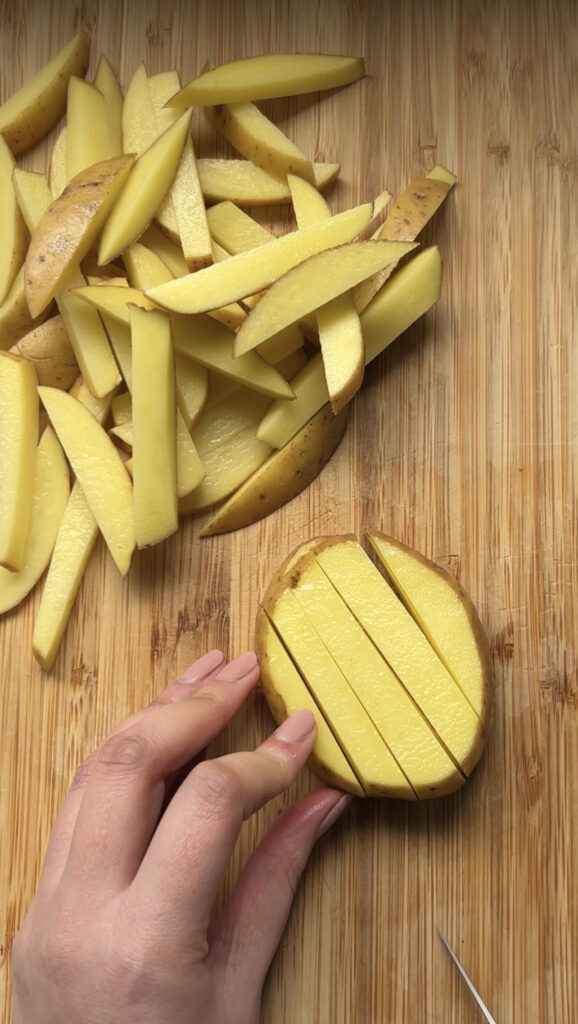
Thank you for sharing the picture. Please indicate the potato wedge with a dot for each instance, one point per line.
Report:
(50, 490)
(48, 348)
(106, 81)
(100, 470)
(251, 271)
(18, 440)
(268, 77)
(256, 138)
(69, 227)
(368, 665)
(30, 114)
(245, 184)
(13, 233)
(284, 475)
(88, 134)
(312, 283)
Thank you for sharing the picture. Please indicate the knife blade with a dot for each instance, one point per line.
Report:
(472, 989)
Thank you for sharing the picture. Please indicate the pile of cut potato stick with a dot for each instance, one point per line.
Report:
(161, 352)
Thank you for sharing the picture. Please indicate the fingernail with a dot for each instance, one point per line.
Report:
(296, 728)
(202, 668)
(334, 813)
(239, 667)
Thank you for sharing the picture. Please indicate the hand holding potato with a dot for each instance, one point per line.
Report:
(120, 928)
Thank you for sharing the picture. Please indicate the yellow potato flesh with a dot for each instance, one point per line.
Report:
(269, 76)
(251, 271)
(88, 137)
(406, 649)
(445, 614)
(284, 475)
(154, 417)
(100, 470)
(48, 348)
(107, 83)
(241, 182)
(88, 338)
(34, 110)
(33, 195)
(74, 543)
(18, 439)
(365, 663)
(313, 283)
(226, 467)
(147, 185)
(51, 485)
(253, 135)
(13, 233)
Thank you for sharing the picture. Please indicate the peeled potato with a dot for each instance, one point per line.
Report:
(390, 653)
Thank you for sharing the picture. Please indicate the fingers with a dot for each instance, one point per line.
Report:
(245, 938)
(116, 797)
(193, 843)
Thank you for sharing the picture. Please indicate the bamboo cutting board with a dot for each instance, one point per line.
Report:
(463, 443)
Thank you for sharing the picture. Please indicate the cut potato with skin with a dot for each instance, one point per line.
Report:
(226, 468)
(251, 271)
(284, 475)
(15, 319)
(268, 77)
(149, 180)
(13, 233)
(245, 184)
(69, 227)
(311, 284)
(18, 440)
(51, 486)
(99, 468)
(372, 672)
(256, 138)
(31, 113)
(49, 350)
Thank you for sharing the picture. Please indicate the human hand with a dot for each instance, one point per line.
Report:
(121, 925)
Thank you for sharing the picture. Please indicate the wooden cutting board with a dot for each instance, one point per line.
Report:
(463, 443)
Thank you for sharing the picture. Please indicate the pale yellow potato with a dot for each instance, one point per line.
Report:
(111, 300)
(445, 613)
(98, 407)
(33, 195)
(58, 166)
(75, 540)
(169, 251)
(256, 138)
(88, 135)
(148, 183)
(121, 407)
(69, 227)
(269, 76)
(284, 475)
(212, 345)
(154, 421)
(13, 232)
(18, 440)
(88, 337)
(138, 122)
(327, 758)
(312, 283)
(31, 113)
(368, 755)
(144, 267)
(404, 298)
(50, 489)
(367, 663)
(251, 271)
(245, 184)
(192, 387)
(234, 229)
(105, 79)
(99, 468)
(404, 222)
(48, 348)
(226, 468)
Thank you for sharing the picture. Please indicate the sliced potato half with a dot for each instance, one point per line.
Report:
(402, 677)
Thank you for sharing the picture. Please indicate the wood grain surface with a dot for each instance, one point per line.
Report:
(463, 443)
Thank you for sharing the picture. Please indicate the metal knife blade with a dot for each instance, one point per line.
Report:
(473, 991)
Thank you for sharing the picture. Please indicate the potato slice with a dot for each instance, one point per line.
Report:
(284, 475)
(108, 84)
(312, 283)
(51, 486)
(226, 468)
(100, 470)
(75, 540)
(113, 301)
(245, 184)
(31, 113)
(48, 348)
(88, 135)
(148, 183)
(154, 417)
(269, 76)
(138, 123)
(367, 664)
(13, 233)
(18, 440)
(256, 138)
(251, 271)
(33, 195)
(69, 227)
(402, 300)
(58, 166)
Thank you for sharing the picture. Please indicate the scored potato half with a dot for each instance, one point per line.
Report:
(389, 652)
